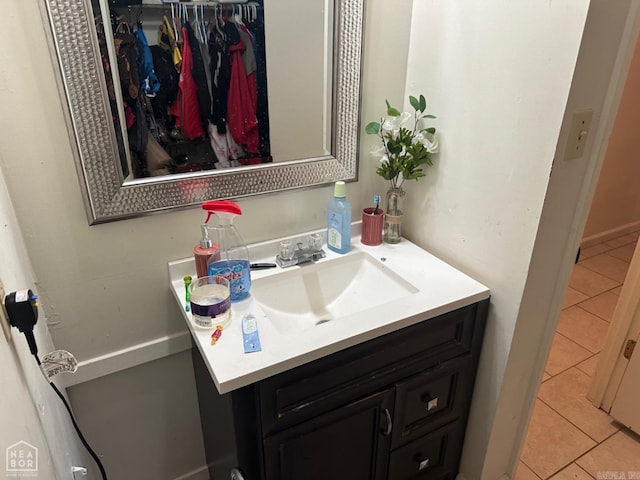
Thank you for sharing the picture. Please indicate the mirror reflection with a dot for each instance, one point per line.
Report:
(189, 88)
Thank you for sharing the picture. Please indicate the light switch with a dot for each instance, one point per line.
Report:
(578, 134)
(78, 472)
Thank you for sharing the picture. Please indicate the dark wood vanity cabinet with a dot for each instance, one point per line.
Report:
(394, 407)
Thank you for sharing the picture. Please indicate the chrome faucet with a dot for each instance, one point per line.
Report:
(311, 252)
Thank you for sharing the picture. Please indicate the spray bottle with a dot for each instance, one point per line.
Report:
(233, 262)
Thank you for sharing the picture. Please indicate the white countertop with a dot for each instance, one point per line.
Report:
(440, 289)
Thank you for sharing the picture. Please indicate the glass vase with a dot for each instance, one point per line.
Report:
(392, 231)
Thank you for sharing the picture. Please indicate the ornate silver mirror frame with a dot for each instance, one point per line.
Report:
(109, 197)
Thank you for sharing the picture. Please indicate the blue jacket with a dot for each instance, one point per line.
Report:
(148, 79)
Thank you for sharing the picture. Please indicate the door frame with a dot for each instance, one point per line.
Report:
(625, 325)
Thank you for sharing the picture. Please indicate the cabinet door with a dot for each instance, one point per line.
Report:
(351, 443)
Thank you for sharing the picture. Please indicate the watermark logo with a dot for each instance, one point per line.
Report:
(22, 460)
(618, 475)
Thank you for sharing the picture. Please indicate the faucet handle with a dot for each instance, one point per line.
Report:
(314, 241)
(286, 250)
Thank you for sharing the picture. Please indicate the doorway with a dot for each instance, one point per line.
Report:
(568, 437)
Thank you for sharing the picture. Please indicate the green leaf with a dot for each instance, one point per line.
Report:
(372, 128)
(430, 130)
(414, 103)
(384, 172)
(429, 116)
(393, 147)
(404, 135)
(423, 104)
(392, 112)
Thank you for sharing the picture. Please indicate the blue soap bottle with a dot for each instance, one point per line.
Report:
(339, 220)
(233, 262)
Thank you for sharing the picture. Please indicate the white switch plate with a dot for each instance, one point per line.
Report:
(4, 320)
(78, 472)
(580, 125)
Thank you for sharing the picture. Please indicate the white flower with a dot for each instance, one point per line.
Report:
(429, 140)
(380, 153)
(392, 124)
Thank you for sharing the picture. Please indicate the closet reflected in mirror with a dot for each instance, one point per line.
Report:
(190, 83)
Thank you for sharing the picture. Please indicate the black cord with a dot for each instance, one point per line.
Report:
(75, 425)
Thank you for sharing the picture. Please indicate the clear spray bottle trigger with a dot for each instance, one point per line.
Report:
(233, 263)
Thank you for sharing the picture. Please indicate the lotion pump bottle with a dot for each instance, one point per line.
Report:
(339, 220)
(204, 251)
(233, 261)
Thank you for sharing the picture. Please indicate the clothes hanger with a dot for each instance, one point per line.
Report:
(237, 17)
(218, 20)
(139, 16)
(195, 22)
(203, 26)
(176, 32)
(253, 9)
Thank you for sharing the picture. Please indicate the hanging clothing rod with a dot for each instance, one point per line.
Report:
(198, 3)
(205, 2)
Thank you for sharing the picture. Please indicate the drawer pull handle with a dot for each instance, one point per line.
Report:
(432, 403)
(387, 431)
(422, 464)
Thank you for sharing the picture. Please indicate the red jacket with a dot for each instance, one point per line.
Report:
(241, 106)
(185, 108)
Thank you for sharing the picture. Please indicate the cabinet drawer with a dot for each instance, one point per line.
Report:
(433, 456)
(431, 399)
(335, 380)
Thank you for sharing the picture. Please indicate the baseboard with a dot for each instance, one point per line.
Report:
(113, 362)
(609, 234)
(201, 473)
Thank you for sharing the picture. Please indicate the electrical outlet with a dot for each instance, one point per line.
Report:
(580, 125)
(4, 320)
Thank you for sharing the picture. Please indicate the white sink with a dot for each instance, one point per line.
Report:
(305, 297)
(307, 312)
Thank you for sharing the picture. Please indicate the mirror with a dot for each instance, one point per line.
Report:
(313, 114)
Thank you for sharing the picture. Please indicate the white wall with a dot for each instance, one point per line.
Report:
(609, 36)
(499, 76)
(29, 409)
(105, 287)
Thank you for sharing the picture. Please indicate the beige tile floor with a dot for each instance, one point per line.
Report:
(568, 437)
